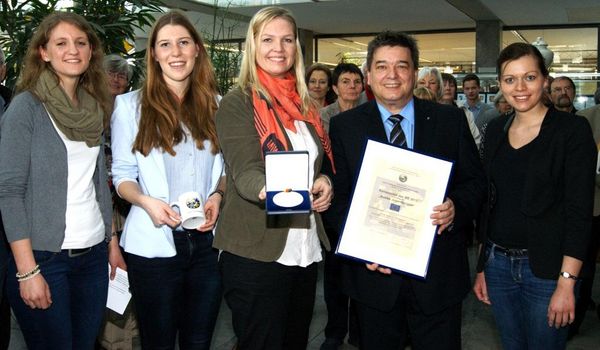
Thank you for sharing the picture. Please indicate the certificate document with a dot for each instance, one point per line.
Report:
(388, 222)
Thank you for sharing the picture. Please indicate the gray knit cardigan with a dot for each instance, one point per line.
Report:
(33, 177)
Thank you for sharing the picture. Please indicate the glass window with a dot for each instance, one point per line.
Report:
(453, 52)
(575, 49)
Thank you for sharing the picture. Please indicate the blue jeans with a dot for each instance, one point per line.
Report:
(520, 303)
(78, 286)
(177, 294)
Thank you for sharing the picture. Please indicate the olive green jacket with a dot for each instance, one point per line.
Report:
(244, 228)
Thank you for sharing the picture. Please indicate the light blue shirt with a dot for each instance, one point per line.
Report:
(477, 108)
(407, 123)
(190, 169)
(140, 235)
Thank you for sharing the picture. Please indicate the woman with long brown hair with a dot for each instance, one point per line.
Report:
(53, 187)
(164, 145)
(268, 263)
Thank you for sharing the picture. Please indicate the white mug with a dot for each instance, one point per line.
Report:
(191, 210)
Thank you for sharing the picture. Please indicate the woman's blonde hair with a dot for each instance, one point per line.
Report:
(424, 93)
(93, 80)
(162, 113)
(248, 75)
(425, 71)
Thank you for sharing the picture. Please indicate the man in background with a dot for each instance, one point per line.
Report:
(471, 88)
(562, 93)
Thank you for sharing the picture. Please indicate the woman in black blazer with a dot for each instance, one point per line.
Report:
(536, 224)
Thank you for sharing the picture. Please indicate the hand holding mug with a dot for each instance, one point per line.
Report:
(191, 210)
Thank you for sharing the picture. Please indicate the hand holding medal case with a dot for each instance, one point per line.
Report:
(287, 181)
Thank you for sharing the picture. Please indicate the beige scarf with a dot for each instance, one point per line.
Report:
(81, 123)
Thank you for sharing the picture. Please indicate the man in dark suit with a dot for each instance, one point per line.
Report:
(391, 305)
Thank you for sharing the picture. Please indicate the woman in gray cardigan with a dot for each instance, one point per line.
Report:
(53, 188)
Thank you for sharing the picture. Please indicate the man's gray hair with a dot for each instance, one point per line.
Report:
(2, 58)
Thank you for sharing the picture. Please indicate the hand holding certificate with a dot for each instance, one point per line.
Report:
(390, 220)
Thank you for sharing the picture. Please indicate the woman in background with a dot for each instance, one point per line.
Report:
(448, 97)
(118, 330)
(501, 106)
(537, 222)
(318, 80)
(269, 263)
(348, 85)
(164, 144)
(54, 195)
(119, 74)
(431, 78)
(424, 93)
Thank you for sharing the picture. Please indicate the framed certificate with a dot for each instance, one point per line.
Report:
(388, 222)
(287, 182)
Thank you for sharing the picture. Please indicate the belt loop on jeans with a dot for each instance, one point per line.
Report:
(78, 252)
(511, 252)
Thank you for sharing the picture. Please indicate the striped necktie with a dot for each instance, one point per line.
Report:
(397, 136)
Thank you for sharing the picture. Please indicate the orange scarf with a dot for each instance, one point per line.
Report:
(286, 107)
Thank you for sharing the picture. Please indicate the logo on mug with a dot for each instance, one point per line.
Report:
(193, 203)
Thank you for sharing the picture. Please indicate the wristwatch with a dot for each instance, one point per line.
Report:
(565, 274)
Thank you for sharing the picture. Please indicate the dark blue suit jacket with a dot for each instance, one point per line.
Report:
(440, 131)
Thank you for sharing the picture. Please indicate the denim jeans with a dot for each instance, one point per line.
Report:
(78, 286)
(177, 294)
(520, 303)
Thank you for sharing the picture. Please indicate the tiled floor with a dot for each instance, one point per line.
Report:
(478, 326)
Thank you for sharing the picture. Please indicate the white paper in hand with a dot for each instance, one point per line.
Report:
(118, 292)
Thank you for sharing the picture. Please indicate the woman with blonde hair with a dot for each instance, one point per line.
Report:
(424, 94)
(431, 78)
(54, 194)
(165, 145)
(269, 263)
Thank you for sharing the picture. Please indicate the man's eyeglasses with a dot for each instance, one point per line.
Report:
(116, 75)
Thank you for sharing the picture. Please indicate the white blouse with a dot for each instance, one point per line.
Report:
(84, 225)
(302, 247)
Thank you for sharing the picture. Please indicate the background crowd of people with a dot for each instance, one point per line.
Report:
(94, 170)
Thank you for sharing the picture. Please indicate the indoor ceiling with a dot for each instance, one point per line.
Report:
(355, 20)
(371, 16)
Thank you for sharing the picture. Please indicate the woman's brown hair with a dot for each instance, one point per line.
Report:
(93, 80)
(162, 113)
